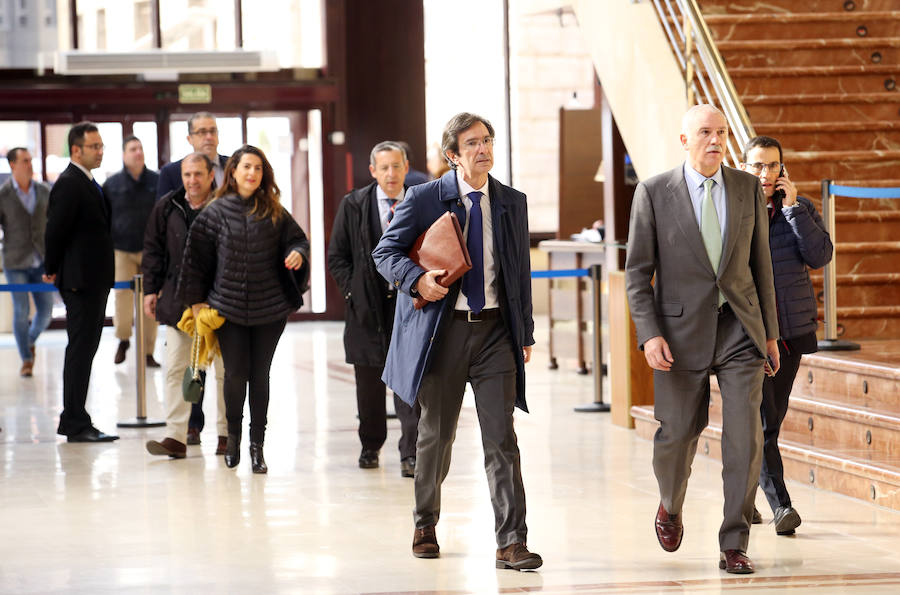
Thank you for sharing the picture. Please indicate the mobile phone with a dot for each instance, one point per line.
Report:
(779, 194)
(769, 366)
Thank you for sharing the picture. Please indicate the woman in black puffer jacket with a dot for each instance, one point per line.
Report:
(798, 241)
(247, 258)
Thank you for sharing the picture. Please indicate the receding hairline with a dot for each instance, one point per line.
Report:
(692, 114)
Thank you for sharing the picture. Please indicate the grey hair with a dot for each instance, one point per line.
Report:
(695, 111)
(198, 116)
(386, 145)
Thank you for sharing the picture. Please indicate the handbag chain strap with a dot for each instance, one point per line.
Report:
(195, 353)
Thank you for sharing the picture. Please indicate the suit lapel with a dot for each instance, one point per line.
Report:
(734, 192)
(498, 221)
(683, 212)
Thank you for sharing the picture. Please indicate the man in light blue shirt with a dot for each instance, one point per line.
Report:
(23, 217)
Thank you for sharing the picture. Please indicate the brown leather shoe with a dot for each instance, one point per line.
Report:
(193, 436)
(425, 543)
(27, 369)
(735, 562)
(220, 447)
(168, 447)
(517, 557)
(120, 352)
(151, 363)
(669, 529)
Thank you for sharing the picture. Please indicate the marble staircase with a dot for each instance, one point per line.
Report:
(821, 76)
(842, 431)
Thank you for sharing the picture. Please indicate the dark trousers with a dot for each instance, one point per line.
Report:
(775, 394)
(682, 408)
(247, 353)
(482, 354)
(197, 419)
(370, 402)
(85, 313)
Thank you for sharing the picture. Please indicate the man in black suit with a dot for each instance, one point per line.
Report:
(79, 260)
(369, 302)
(203, 135)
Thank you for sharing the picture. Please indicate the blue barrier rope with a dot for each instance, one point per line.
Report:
(560, 273)
(861, 192)
(45, 287)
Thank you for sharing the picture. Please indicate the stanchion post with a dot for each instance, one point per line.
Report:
(598, 406)
(831, 341)
(140, 420)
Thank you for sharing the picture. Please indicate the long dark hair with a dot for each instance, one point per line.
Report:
(267, 197)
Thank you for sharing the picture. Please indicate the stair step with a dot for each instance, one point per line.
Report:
(804, 17)
(866, 247)
(783, 8)
(865, 164)
(868, 262)
(821, 98)
(871, 279)
(783, 45)
(842, 471)
(857, 329)
(804, 71)
(775, 55)
(845, 312)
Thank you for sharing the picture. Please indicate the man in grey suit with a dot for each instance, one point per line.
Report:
(702, 230)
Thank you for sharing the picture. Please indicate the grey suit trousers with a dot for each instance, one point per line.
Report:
(480, 353)
(682, 408)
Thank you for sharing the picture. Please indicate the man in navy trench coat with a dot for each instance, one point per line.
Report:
(479, 330)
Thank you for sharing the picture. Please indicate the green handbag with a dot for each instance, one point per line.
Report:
(193, 381)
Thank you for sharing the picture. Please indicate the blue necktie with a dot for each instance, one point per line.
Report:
(473, 281)
(99, 187)
(392, 203)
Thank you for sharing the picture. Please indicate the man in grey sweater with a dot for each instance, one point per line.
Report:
(23, 216)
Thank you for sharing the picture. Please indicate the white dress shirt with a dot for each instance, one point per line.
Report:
(490, 273)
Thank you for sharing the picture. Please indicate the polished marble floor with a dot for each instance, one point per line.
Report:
(110, 518)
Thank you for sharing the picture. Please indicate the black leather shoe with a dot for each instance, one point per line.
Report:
(193, 436)
(120, 352)
(151, 363)
(408, 467)
(368, 459)
(756, 519)
(786, 520)
(91, 435)
(257, 461)
(233, 450)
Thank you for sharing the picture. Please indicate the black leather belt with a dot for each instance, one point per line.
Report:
(470, 316)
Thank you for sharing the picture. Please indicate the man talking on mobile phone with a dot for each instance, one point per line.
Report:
(798, 240)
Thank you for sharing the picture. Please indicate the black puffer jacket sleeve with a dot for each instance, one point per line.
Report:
(293, 239)
(198, 268)
(813, 241)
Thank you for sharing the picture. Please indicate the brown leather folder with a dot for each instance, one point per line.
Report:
(442, 246)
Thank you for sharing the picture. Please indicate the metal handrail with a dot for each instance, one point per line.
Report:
(723, 91)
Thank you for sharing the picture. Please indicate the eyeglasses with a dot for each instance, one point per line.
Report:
(93, 147)
(472, 144)
(205, 132)
(758, 167)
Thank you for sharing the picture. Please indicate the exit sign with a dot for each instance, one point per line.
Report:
(194, 93)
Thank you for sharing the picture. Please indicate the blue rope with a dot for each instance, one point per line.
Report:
(45, 287)
(560, 273)
(861, 192)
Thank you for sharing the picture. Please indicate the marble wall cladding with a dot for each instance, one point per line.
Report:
(787, 57)
(855, 329)
(870, 230)
(775, 7)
